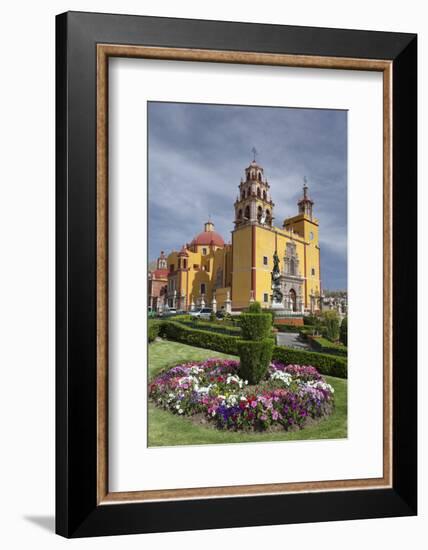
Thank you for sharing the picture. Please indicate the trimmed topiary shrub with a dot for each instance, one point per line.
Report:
(255, 307)
(344, 331)
(255, 348)
(255, 326)
(255, 358)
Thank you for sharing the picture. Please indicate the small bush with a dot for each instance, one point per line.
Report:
(213, 317)
(310, 319)
(331, 321)
(153, 330)
(255, 307)
(255, 357)
(255, 326)
(344, 331)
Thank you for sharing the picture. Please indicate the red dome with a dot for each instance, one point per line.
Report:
(207, 238)
(160, 273)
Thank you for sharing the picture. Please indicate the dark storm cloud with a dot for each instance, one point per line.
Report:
(197, 155)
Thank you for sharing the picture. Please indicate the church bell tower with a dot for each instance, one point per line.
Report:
(254, 203)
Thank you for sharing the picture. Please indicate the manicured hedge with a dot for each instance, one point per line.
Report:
(174, 330)
(326, 364)
(153, 330)
(325, 346)
(208, 325)
(281, 327)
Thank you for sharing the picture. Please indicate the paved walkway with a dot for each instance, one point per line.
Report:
(291, 340)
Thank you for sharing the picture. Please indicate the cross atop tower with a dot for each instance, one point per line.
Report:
(255, 153)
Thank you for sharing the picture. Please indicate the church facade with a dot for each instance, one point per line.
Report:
(209, 272)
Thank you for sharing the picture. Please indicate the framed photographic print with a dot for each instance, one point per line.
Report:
(236, 274)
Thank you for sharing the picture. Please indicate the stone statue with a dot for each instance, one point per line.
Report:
(276, 284)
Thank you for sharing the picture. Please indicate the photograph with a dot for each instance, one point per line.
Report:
(247, 273)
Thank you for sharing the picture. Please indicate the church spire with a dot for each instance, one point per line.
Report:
(305, 204)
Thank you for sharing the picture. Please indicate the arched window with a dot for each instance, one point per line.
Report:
(243, 194)
(247, 212)
(268, 217)
(258, 192)
(264, 195)
(259, 213)
(240, 214)
(260, 176)
(292, 267)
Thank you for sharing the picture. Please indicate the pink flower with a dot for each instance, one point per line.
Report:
(254, 404)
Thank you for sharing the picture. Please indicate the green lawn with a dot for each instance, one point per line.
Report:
(168, 429)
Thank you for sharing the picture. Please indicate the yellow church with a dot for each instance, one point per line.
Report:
(207, 272)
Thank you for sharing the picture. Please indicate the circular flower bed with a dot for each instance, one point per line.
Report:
(289, 397)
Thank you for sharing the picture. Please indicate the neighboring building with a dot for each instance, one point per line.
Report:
(209, 272)
(336, 299)
(157, 284)
(200, 270)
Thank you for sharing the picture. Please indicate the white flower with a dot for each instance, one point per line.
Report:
(319, 385)
(180, 411)
(285, 377)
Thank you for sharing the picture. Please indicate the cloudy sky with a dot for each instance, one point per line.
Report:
(197, 156)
